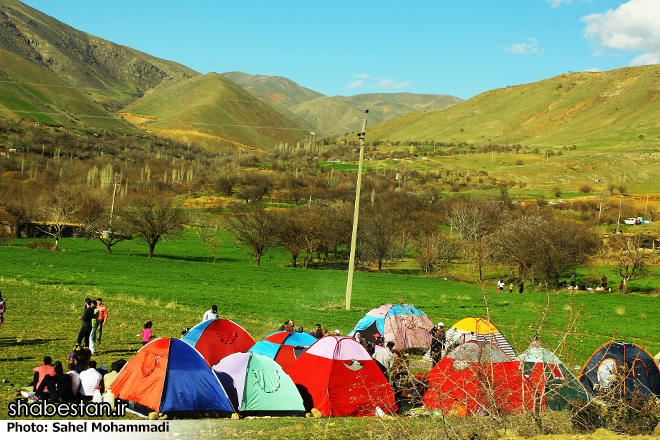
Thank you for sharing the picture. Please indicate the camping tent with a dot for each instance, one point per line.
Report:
(478, 329)
(632, 361)
(258, 386)
(337, 376)
(283, 347)
(169, 376)
(557, 384)
(405, 325)
(217, 338)
(478, 377)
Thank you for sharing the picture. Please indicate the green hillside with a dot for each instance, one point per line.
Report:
(584, 108)
(337, 114)
(211, 110)
(30, 92)
(83, 60)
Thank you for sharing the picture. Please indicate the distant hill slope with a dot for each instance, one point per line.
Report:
(83, 60)
(574, 108)
(211, 110)
(40, 96)
(336, 114)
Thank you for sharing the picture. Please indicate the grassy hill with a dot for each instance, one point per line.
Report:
(586, 108)
(211, 110)
(337, 114)
(40, 96)
(82, 60)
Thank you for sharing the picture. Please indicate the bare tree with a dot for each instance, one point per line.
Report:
(58, 210)
(153, 218)
(473, 221)
(254, 229)
(207, 230)
(96, 213)
(629, 256)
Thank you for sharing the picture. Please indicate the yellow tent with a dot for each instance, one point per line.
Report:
(478, 329)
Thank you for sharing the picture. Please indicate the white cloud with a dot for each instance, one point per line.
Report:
(355, 84)
(530, 46)
(593, 69)
(557, 3)
(388, 83)
(633, 26)
(383, 82)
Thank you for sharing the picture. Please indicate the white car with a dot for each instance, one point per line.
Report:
(630, 221)
(552, 202)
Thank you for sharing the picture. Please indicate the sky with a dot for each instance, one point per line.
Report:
(336, 47)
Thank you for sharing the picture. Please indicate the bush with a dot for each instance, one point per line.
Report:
(40, 245)
(585, 188)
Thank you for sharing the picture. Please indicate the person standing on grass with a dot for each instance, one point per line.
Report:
(521, 287)
(95, 320)
(211, 314)
(3, 308)
(102, 319)
(86, 327)
(573, 280)
(147, 335)
(511, 288)
(438, 340)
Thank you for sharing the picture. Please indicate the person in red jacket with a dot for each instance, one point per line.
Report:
(101, 321)
(39, 373)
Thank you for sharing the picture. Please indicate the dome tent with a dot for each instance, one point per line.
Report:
(478, 376)
(403, 324)
(217, 338)
(638, 369)
(560, 387)
(169, 376)
(337, 376)
(257, 386)
(478, 329)
(283, 347)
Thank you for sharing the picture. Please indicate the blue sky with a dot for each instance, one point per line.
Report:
(455, 47)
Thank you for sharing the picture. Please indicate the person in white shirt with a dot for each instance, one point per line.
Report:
(384, 358)
(211, 314)
(89, 380)
(75, 379)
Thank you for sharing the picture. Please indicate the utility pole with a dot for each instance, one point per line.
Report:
(619, 218)
(351, 260)
(112, 210)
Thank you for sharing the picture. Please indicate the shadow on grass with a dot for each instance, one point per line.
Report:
(17, 359)
(11, 342)
(193, 259)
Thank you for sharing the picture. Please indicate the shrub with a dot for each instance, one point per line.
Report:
(40, 245)
(585, 188)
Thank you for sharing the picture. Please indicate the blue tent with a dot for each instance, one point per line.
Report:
(169, 376)
(283, 347)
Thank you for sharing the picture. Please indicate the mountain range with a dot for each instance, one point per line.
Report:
(55, 74)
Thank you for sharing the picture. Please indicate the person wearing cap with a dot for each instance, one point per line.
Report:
(336, 332)
(438, 338)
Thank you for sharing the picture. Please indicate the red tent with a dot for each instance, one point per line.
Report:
(337, 376)
(217, 338)
(478, 377)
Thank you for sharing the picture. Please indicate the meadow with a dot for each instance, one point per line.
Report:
(44, 291)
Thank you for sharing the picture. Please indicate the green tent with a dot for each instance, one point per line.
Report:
(561, 386)
(257, 385)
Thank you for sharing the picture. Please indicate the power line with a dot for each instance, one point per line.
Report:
(159, 120)
(104, 90)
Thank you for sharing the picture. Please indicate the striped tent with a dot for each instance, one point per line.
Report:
(481, 330)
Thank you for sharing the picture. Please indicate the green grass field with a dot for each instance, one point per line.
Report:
(44, 291)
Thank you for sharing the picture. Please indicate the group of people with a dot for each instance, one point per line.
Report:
(94, 318)
(80, 382)
(501, 286)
